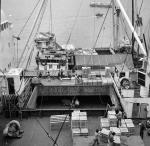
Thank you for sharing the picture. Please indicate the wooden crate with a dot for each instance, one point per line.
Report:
(112, 120)
(76, 132)
(104, 135)
(124, 131)
(104, 123)
(111, 113)
(128, 121)
(131, 128)
(117, 141)
(116, 130)
(84, 131)
(56, 121)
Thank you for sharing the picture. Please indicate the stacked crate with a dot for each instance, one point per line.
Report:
(75, 123)
(83, 123)
(116, 130)
(104, 123)
(112, 118)
(123, 123)
(124, 131)
(123, 128)
(79, 124)
(117, 141)
(130, 126)
(56, 121)
(104, 135)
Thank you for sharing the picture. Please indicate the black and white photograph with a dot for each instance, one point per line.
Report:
(74, 72)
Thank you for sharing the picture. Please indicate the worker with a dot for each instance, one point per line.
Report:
(111, 138)
(142, 129)
(96, 138)
(13, 130)
(119, 117)
(76, 102)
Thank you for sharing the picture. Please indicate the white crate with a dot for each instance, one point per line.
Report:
(105, 125)
(83, 114)
(104, 135)
(83, 118)
(104, 120)
(116, 130)
(124, 131)
(75, 124)
(112, 120)
(111, 113)
(84, 131)
(123, 125)
(123, 121)
(131, 128)
(75, 118)
(128, 121)
(117, 141)
(56, 121)
(76, 132)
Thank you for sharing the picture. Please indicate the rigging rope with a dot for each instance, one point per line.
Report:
(74, 22)
(102, 26)
(125, 29)
(31, 32)
(40, 21)
(141, 7)
(50, 21)
(48, 135)
(21, 31)
(64, 121)
(99, 32)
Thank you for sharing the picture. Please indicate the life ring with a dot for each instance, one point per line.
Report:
(43, 63)
(125, 83)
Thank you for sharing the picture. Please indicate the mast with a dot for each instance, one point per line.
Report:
(133, 26)
(113, 19)
(117, 27)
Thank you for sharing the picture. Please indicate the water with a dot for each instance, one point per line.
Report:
(64, 12)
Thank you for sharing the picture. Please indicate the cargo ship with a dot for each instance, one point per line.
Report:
(61, 96)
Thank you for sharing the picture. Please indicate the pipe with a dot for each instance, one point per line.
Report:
(131, 27)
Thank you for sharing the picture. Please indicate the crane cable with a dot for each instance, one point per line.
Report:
(31, 53)
(56, 139)
(28, 39)
(74, 22)
(125, 29)
(90, 58)
(31, 33)
(40, 21)
(102, 25)
(21, 31)
(50, 21)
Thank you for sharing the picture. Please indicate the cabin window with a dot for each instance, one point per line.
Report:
(141, 78)
(47, 43)
(122, 74)
(58, 66)
(11, 86)
(2, 27)
(50, 66)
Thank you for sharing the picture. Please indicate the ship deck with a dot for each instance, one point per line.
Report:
(34, 135)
